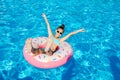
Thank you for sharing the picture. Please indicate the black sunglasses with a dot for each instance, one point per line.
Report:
(59, 32)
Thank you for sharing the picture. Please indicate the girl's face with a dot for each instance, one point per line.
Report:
(59, 32)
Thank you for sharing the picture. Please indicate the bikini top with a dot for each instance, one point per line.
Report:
(56, 41)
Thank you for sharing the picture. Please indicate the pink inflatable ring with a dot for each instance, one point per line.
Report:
(60, 57)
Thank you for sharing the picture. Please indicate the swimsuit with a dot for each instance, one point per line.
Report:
(56, 41)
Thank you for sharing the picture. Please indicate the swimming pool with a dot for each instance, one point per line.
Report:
(96, 52)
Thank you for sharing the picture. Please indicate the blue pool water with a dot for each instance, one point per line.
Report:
(96, 52)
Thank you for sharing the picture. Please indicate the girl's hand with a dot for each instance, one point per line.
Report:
(43, 15)
(82, 30)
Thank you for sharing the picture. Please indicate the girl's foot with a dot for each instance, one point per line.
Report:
(49, 53)
(28, 45)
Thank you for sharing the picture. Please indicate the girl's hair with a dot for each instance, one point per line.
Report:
(62, 27)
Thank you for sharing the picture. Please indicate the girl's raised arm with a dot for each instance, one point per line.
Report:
(48, 25)
(72, 33)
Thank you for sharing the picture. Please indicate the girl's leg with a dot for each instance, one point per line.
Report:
(49, 42)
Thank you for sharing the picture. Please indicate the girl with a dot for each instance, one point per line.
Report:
(53, 40)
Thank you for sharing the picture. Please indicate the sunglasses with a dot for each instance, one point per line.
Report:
(59, 32)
